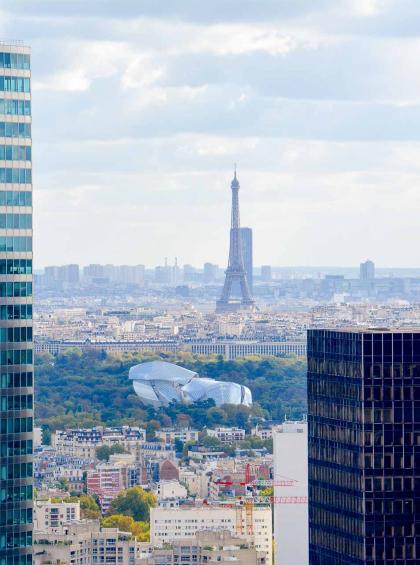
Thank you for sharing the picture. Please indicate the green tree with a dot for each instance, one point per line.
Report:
(141, 530)
(89, 508)
(134, 502)
(63, 484)
(105, 451)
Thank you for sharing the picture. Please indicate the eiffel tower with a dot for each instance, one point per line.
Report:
(235, 272)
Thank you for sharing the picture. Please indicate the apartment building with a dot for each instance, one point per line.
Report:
(251, 521)
(84, 442)
(169, 435)
(50, 514)
(227, 435)
(84, 543)
(208, 547)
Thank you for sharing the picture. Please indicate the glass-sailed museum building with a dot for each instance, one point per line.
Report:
(16, 362)
(364, 447)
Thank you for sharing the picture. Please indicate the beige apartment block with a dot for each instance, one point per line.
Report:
(208, 547)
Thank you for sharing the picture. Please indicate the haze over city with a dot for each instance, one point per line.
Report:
(140, 112)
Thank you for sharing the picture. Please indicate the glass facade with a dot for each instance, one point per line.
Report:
(364, 447)
(16, 352)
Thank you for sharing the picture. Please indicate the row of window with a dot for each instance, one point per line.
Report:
(15, 61)
(14, 129)
(18, 176)
(18, 402)
(17, 559)
(15, 84)
(11, 449)
(15, 198)
(14, 540)
(16, 221)
(16, 426)
(15, 335)
(15, 266)
(16, 289)
(16, 312)
(16, 380)
(16, 243)
(11, 516)
(15, 107)
(16, 357)
(15, 152)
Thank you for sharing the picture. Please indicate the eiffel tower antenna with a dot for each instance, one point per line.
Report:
(236, 269)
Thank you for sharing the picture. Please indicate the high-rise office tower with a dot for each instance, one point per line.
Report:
(266, 273)
(16, 370)
(246, 240)
(210, 273)
(364, 447)
(367, 271)
(235, 273)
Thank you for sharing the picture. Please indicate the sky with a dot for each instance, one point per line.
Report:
(141, 108)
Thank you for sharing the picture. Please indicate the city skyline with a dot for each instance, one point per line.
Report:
(155, 125)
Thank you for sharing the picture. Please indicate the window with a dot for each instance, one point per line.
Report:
(15, 266)
(15, 61)
(17, 176)
(16, 221)
(16, 312)
(15, 152)
(15, 107)
(15, 198)
(14, 129)
(17, 243)
(15, 84)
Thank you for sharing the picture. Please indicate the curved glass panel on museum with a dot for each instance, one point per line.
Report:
(158, 383)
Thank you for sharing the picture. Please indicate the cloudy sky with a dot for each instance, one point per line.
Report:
(141, 107)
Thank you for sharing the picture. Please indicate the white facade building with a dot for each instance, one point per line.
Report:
(227, 435)
(291, 494)
(167, 524)
(170, 489)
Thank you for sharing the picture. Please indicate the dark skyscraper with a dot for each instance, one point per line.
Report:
(16, 370)
(235, 273)
(364, 447)
(246, 240)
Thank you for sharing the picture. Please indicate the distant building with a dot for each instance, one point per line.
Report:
(105, 482)
(158, 383)
(210, 273)
(169, 435)
(168, 471)
(266, 273)
(247, 254)
(50, 515)
(169, 525)
(291, 493)
(208, 547)
(364, 429)
(83, 442)
(227, 435)
(85, 543)
(170, 489)
(367, 271)
(229, 349)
